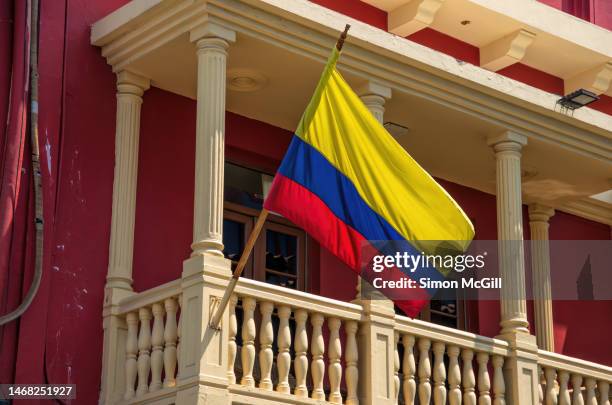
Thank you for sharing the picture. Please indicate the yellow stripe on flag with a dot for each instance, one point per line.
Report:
(343, 130)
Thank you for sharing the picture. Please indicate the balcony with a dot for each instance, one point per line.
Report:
(278, 345)
(281, 346)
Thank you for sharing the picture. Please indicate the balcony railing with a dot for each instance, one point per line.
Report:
(284, 346)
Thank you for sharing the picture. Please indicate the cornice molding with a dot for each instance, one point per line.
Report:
(589, 208)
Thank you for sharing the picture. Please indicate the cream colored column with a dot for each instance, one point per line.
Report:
(507, 149)
(520, 367)
(212, 42)
(130, 88)
(539, 215)
(203, 359)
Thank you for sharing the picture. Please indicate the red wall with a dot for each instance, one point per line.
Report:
(600, 11)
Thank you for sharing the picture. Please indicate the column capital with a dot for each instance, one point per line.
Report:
(371, 88)
(374, 95)
(507, 141)
(540, 212)
(210, 30)
(132, 83)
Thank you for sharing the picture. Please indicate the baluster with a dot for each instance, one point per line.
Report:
(409, 368)
(179, 332)
(317, 367)
(396, 366)
(484, 382)
(266, 337)
(248, 341)
(604, 392)
(157, 341)
(351, 357)
(232, 348)
(577, 385)
(283, 360)
(454, 376)
(550, 374)
(499, 385)
(590, 384)
(334, 355)
(300, 364)
(424, 371)
(564, 395)
(144, 347)
(439, 374)
(469, 380)
(131, 349)
(541, 383)
(170, 338)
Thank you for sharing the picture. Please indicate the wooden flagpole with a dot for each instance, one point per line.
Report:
(248, 248)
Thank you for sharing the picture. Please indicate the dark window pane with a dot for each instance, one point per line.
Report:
(281, 252)
(444, 306)
(443, 319)
(233, 239)
(280, 280)
(243, 186)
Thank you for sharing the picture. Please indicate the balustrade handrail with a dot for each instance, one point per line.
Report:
(313, 303)
(451, 336)
(150, 296)
(574, 365)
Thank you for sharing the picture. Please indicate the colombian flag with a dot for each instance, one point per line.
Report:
(347, 182)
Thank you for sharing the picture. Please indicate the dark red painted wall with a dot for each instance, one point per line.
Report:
(446, 44)
(598, 11)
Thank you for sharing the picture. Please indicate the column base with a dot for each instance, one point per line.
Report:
(212, 247)
(514, 326)
(121, 283)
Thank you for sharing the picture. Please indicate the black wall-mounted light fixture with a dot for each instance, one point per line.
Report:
(577, 99)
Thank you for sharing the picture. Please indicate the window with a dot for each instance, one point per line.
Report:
(578, 8)
(446, 312)
(279, 254)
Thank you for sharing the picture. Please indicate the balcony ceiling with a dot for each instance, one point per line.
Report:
(566, 161)
(448, 143)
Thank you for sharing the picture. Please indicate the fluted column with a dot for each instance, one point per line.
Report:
(130, 88)
(507, 147)
(520, 368)
(212, 42)
(205, 353)
(539, 216)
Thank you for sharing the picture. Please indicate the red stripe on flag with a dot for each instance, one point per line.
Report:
(309, 212)
(306, 210)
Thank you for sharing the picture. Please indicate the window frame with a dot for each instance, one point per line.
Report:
(256, 265)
